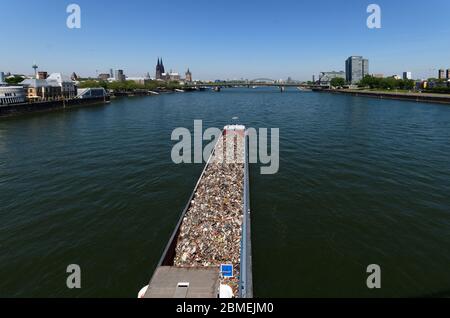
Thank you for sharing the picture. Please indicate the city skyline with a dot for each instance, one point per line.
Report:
(305, 38)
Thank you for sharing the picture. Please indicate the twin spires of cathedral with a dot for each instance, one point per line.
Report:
(159, 69)
(162, 75)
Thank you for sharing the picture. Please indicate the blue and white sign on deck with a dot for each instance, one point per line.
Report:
(226, 270)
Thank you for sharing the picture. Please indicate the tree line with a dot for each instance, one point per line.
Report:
(378, 83)
(129, 85)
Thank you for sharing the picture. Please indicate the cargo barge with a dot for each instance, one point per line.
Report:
(209, 252)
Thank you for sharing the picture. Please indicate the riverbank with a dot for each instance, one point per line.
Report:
(409, 96)
(48, 106)
(27, 108)
(146, 92)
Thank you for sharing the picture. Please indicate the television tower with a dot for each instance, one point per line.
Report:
(35, 67)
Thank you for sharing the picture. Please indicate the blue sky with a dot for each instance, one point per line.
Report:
(225, 39)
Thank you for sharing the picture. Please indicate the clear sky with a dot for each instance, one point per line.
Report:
(224, 39)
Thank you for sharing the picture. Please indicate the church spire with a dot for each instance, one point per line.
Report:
(162, 66)
(158, 69)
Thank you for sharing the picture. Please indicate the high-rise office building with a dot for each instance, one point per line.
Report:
(407, 75)
(2, 78)
(120, 77)
(356, 68)
(111, 73)
(441, 74)
(448, 73)
(365, 67)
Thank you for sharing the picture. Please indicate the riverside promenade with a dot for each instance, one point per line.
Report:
(409, 96)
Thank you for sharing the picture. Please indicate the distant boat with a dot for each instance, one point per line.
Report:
(179, 90)
(254, 87)
(153, 92)
(304, 89)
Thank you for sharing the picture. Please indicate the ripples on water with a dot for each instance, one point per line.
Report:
(361, 181)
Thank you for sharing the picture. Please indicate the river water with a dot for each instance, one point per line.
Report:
(361, 181)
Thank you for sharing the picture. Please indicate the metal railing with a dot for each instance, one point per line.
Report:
(246, 290)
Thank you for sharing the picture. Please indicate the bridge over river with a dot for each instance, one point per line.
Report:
(263, 82)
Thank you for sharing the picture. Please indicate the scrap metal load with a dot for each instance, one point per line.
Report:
(211, 230)
(209, 252)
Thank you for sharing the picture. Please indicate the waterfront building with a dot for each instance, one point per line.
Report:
(120, 76)
(139, 80)
(84, 93)
(111, 73)
(407, 75)
(441, 75)
(448, 73)
(162, 75)
(188, 76)
(42, 75)
(68, 89)
(326, 77)
(10, 94)
(356, 68)
(103, 76)
(419, 85)
(40, 89)
(173, 76)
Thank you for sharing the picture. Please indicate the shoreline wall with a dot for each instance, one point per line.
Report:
(29, 108)
(423, 98)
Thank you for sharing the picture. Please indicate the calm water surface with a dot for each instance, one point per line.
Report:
(361, 181)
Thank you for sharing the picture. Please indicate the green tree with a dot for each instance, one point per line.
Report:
(371, 82)
(89, 84)
(129, 85)
(386, 83)
(337, 82)
(14, 80)
(389, 83)
(173, 85)
(151, 85)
